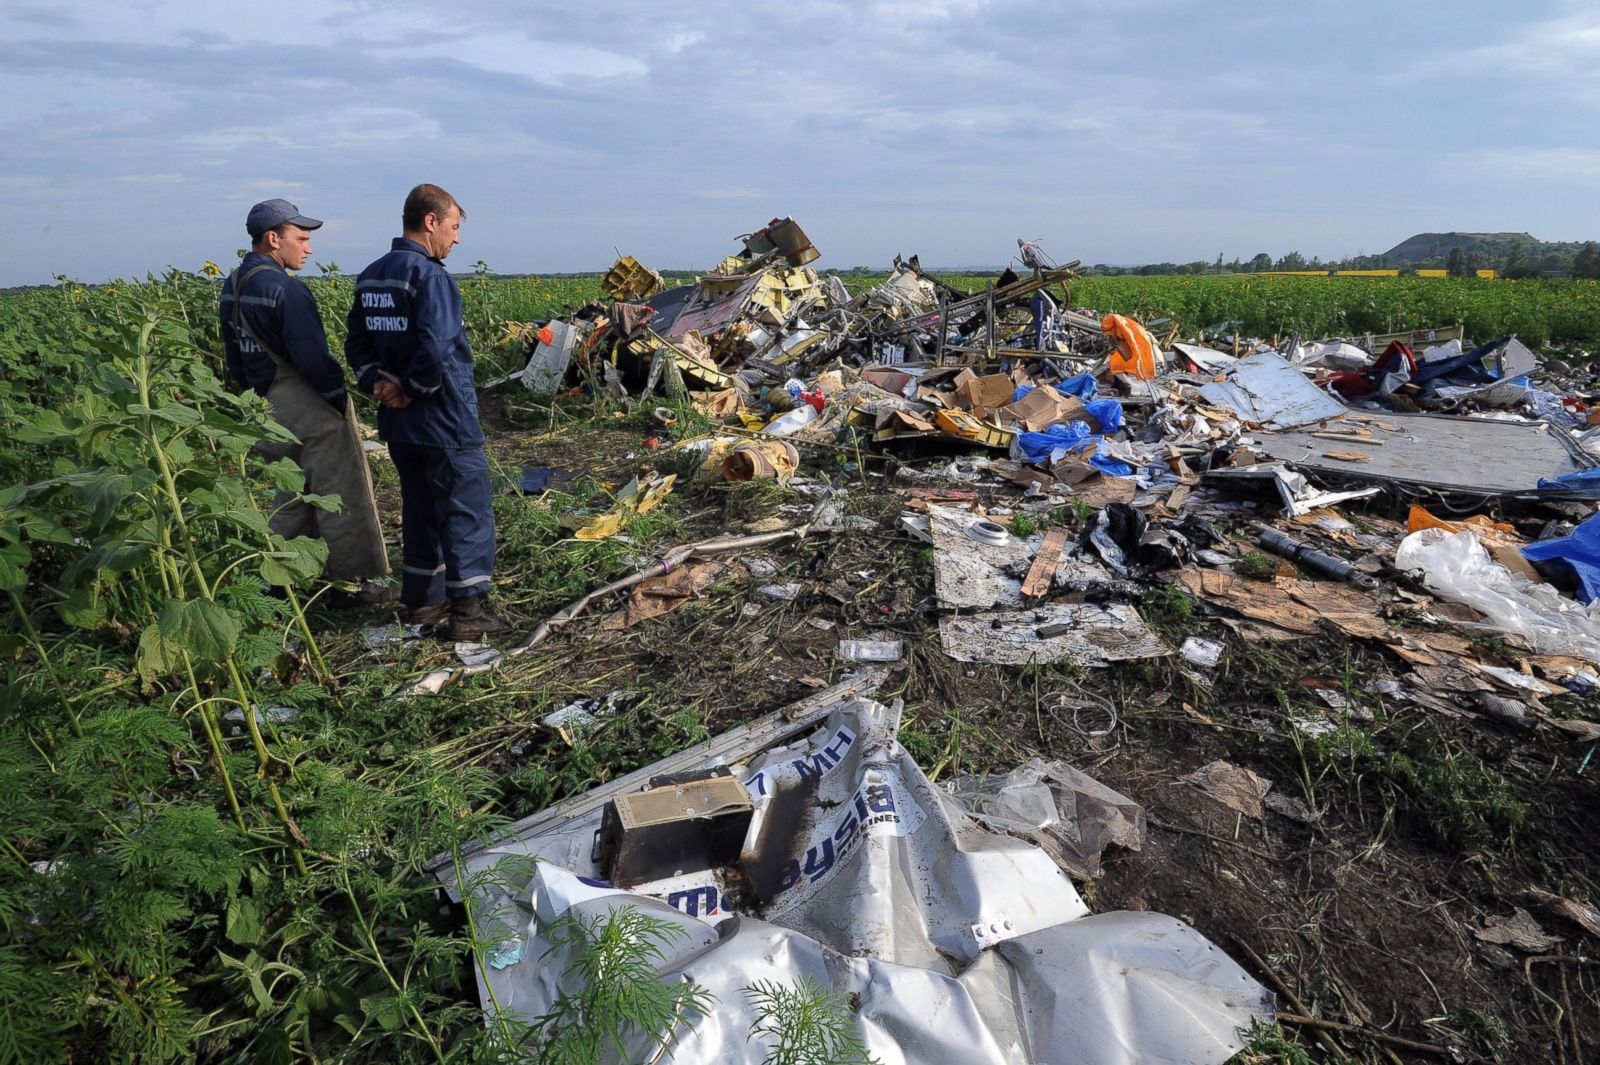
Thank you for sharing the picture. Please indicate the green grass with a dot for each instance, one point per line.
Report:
(1539, 311)
(1438, 782)
(1269, 1045)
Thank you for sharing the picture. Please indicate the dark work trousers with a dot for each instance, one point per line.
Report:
(446, 522)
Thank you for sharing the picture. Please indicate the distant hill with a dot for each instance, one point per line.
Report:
(1487, 248)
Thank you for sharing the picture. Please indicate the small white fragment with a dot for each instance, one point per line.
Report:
(1203, 653)
(871, 650)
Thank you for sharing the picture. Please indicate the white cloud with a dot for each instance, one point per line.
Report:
(335, 129)
(285, 22)
(1117, 130)
(1536, 164)
(550, 62)
(1560, 47)
(681, 39)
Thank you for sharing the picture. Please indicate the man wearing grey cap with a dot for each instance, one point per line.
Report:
(276, 345)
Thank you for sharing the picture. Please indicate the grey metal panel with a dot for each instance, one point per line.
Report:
(957, 946)
(1476, 456)
(1266, 389)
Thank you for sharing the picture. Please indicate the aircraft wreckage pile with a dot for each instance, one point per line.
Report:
(809, 844)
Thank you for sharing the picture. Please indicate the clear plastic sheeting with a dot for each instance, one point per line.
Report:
(956, 946)
(1456, 566)
(1064, 811)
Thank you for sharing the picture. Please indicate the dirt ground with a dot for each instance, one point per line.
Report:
(1364, 917)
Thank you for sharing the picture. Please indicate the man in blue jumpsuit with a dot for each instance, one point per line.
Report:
(408, 346)
(275, 344)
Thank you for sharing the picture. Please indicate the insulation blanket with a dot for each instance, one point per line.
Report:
(962, 947)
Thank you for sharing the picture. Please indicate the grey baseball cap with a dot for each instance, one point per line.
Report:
(269, 214)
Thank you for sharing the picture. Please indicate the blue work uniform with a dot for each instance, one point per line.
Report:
(406, 321)
(278, 347)
(282, 313)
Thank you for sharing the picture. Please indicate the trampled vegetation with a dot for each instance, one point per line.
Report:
(214, 841)
(216, 822)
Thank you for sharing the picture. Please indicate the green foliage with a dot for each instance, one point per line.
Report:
(1268, 1045)
(1586, 263)
(1537, 310)
(620, 1002)
(1255, 565)
(1466, 802)
(803, 1024)
(1450, 790)
(1169, 604)
(1484, 1032)
(536, 546)
(181, 878)
(749, 500)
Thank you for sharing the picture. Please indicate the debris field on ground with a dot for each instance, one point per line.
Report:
(1093, 501)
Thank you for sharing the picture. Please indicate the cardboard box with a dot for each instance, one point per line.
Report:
(984, 394)
(679, 828)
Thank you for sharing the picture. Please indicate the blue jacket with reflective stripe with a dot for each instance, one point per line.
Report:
(407, 320)
(282, 312)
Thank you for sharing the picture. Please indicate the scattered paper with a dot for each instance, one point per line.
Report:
(1202, 652)
(870, 650)
(1519, 930)
(1233, 786)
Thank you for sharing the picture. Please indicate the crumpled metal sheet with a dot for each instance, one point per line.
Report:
(964, 947)
(969, 573)
(547, 366)
(1086, 633)
(1267, 390)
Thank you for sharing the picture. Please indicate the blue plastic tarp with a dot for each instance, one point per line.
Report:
(1108, 465)
(1108, 412)
(1038, 447)
(1584, 479)
(1580, 550)
(1465, 369)
(1083, 386)
(1071, 437)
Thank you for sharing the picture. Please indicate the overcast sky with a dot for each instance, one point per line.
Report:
(137, 135)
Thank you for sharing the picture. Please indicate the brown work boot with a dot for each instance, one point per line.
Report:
(473, 619)
(429, 617)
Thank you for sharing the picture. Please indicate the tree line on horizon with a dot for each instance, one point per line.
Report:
(1519, 261)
